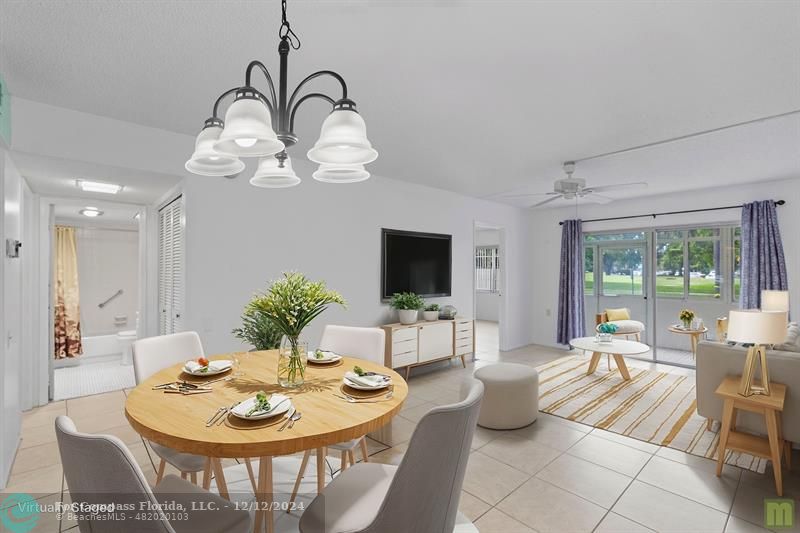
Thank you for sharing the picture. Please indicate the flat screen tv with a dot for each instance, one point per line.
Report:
(415, 262)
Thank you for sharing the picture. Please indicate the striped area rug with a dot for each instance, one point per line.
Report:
(656, 407)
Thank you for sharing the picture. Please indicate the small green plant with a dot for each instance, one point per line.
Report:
(406, 300)
(432, 307)
(686, 316)
(258, 330)
(607, 327)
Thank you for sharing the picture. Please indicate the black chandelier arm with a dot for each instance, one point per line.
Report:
(303, 99)
(220, 99)
(314, 76)
(248, 75)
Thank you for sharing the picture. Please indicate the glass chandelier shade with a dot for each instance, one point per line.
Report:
(343, 140)
(207, 161)
(274, 173)
(338, 173)
(248, 129)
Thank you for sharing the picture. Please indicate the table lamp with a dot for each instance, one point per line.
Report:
(774, 300)
(756, 328)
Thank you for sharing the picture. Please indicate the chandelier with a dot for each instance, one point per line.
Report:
(262, 125)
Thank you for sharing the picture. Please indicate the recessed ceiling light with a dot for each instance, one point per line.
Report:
(98, 186)
(91, 212)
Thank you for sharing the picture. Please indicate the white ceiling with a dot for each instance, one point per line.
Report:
(476, 97)
(67, 211)
(54, 176)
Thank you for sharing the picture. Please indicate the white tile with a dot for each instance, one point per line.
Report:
(627, 441)
(617, 457)
(472, 507)
(749, 505)
(588, 480)
(552, 434)
(737, 525)
(695, 461)
(614, 523)
(696, 484)
(489, 479)
(667, 512)
(496, 521)
(545, 507)
(522, 454)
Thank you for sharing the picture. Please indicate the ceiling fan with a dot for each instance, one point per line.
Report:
(571, 188)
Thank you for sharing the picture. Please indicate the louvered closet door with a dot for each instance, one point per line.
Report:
(170, 267)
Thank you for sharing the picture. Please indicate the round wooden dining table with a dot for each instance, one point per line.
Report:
(179, 421)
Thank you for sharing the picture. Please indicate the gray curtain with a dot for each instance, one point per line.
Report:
(763, 265)
(571, 322)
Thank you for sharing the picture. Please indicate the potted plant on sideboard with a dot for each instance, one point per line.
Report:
(408, 305)
(431, 312)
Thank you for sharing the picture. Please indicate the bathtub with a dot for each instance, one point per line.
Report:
(96, 349)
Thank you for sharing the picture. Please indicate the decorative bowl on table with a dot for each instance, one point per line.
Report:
(604, 338)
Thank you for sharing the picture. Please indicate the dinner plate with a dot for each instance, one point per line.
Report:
(214, 368)
(359, 386)
(279, 404)
(328, 357)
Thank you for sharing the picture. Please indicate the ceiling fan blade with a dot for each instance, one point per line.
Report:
(530, 194)
(595, 198)
(546, 201)
(616, 186)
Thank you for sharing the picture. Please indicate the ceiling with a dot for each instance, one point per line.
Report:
(67, 211)
(55, 176)
(480, 98)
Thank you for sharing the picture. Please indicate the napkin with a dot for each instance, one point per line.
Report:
(327, 355)
(194, 366)
(367, 381)
(275, 400)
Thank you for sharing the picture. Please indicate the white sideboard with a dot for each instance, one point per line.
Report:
(409, 345)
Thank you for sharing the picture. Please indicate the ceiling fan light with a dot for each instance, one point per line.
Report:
(339, 173)
(343, 138)
(248, 128)
(206, 161)
(271, 175)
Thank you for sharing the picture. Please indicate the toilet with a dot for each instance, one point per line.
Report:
(126, 339)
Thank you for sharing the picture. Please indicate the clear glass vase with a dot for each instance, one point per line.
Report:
(292, 359)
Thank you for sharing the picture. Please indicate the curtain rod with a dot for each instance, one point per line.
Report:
(654, 215)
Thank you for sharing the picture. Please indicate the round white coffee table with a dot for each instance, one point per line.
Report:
(617, 348)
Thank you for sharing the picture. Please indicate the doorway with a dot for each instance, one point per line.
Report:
(94, 289)
(488, 264)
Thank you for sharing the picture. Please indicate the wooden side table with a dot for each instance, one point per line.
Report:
(695, 335)
(770, 407)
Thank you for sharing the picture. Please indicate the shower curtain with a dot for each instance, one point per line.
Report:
(67, 295)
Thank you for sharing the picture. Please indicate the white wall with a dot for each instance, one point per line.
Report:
(239, 237)
(10, 322)
(487, 304)
(108, 260)
(546, 235)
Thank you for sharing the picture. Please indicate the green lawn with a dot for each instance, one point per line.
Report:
(617, 284)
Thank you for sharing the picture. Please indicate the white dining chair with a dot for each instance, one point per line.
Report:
(101, 473)
(156, 353)
(362, 343)
(421, 494)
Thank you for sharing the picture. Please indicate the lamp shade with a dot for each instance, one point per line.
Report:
(340, 173)
(207, 161)
(774, 300)
(343, 140)
(752, 326)
(274, 174)
(248, 129)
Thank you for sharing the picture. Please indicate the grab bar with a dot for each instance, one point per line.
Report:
(102, 305)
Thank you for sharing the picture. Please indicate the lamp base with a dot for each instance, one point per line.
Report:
(755, 355)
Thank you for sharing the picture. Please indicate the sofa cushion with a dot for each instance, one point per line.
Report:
(612, 315)
(792, 342)
(626, 327)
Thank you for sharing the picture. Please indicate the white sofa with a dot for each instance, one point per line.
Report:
(716, 360)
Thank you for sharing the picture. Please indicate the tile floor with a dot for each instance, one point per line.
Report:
(553, 476)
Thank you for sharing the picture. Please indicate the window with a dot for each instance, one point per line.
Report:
(588, 268)
(170, 267)
(622, 270)
(669, 264)
(487, 265)
(736, 261)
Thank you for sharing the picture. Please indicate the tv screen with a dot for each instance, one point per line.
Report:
(415, 262)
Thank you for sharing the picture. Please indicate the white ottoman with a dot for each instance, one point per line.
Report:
(510, 397)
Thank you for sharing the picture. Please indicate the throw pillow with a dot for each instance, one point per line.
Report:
(618, 314)
(792, 342)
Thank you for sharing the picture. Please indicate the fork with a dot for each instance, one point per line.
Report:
(288, 417)
(210, 421)
(295, 417)
(225, 412)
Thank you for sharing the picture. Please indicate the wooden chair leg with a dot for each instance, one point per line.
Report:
(193, 477)
(351, 457)
(300, 476)
(320, 469)
(344, 460)
(709, 424)
(251, 474)
(207, 474)
(160, 475)
(364, 452)
(219, 474)
(184, 475)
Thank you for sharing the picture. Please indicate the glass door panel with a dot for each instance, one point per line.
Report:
(620, 279)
